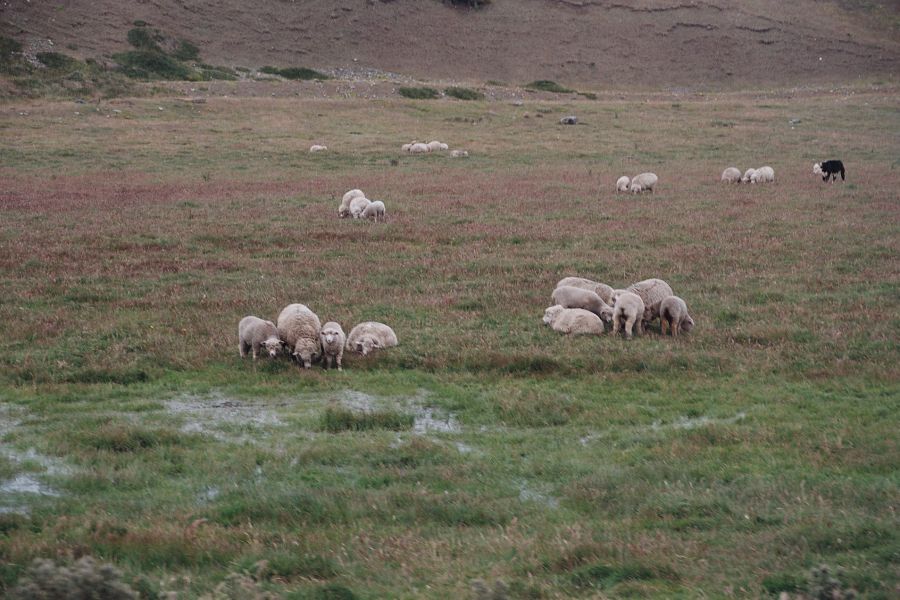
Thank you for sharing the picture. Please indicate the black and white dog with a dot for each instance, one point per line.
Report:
(829, 168)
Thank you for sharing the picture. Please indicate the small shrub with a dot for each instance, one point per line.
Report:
(588, 95)
(464, 93)
(57, 62)
(11, 61)
(336, 420)
(143, 39)
(301, 73)
(150, 64)
(546, 85)
(186, 51)
(418, 93)
(470, 3)
(85, 579)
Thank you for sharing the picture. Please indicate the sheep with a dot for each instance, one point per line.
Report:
(333, 339)
(622, 184)
(627, 311)
(419, 148)
(459, 154)
(255, 333)
(444, 146)
(613, 296)
(763, 175)
(573, 321)
(373, 209)
(645, 181)
(601, 289)
(358, 205)
(317, 148)
(569, 296)
(299, 328)
(651, 292)
(406, 147)
(829, 168)
(370, 335)
(731, 175)
(435, 146)
(344, 208)
(747, 175)
(673, 311)
(569, 120)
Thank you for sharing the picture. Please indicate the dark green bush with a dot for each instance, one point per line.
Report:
(57, 61)
(150, 64)
(418, 93)
(464, 93)
(546, 85)
(186, 51)
(143, 39)
(294, 72)
(11, 61)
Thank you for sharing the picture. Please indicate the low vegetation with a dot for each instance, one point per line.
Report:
(294, 72)
(462, 93)
(418, 93)
(545, 85)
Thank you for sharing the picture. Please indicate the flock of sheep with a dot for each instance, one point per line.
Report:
(760, 175)
(583, 306)
(300, 334)
(355, 204)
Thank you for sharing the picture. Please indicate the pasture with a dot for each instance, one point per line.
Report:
(135, 233)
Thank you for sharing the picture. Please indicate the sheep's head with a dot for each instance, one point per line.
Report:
(636, 188)
(273, 346)
(606, 314)
(330, 336)
(551, 313)
(307, 351)
(687, 324)
(817, 169)
(343, 213)
(367, 343)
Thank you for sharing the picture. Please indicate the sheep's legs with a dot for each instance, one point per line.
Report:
(662, 326)
(241, 350)
(676, 325)
(629, 325)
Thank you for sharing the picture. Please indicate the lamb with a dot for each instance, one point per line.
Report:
(358, 205)
(731, 175)
(344, 208)
(299, 328)
(747, 175)
(644, 181)
(651, 292)
(255, 333)
(763, 175)
(435, 146)
(459, 154)
(601, 289)
(419, 148)
(333, 339)
(573, 321)
(673, 312)
(569, 296)
(622, 184)
(370, 335)
(317, 148)
(373, 209)
(829, 168)
(628, 310)
(614, 295)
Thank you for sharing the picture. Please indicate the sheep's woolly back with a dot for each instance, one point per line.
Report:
(317, 148)
(299, 327)
(358, 205)
(646, 181)
(419, 148)
(344, 208)
(577, 321)
(373, 209)
(651, 293)
(574, 297)
(731, 175)
(747, 175)
(373, 329)
(763, 175)
(601, 289)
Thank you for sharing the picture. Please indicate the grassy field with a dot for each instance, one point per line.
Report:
(486, 451)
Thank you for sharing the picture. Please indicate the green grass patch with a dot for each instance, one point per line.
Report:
(464, 93)
(301, 73)
(545, 85)
(419, 93)
(152, 64)
(338, 419)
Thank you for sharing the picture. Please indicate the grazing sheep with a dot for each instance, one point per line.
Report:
(358, 205)
(627, 312)
(651, 292)
(299, 328)
(444, 146)
(569, 296)
(614, 295)
(255, 333)
(333, 339)
(344, 208)
(601, 289)
(763, 175)
(317, 148)
(829, 168)
(419, 148)
(747, 175)
(459, 154)
(673, 311)
(731, 175)
(644, 181)
(622, 184)
(573, 321)
(369, 336)
(406, 147)
(373, 209)
(436, 146)
(570, 120)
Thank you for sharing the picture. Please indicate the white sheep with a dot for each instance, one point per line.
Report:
(436, 146)
(731, 175)
(651, 292)
(373, 209)
(406, 147)
(344, 208)
(318, 148)
(645, 181)
(601, 289)
(673, 311)
(569, 296)
(299, 329)
(333, 339)
(370, 335)
(627, 312)
(614, 295)
(622, 184)
(255, 333)
(358, 205)
(573, 321)
(763, 175)
(459, 154)
(419, 148)
(444, 146)
(747, 175)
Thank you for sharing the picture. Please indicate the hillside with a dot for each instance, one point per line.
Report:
(592, 43)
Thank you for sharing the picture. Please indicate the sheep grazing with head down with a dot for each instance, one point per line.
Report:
(644, 181)
(651, 292)
(255, 334)
(459, 154)
(622, 183)
(829, 169)
(373, 210)
(299, 329)
(419, 148)
(369, 336)
(569, 296)
(317, 148)
(344, 208)
(358, 205)
(763, 175)
(573, 321)
(333, 339)
(731, 175)
(627, 314)
(601, 289)
(747, 175)
(673, 311)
